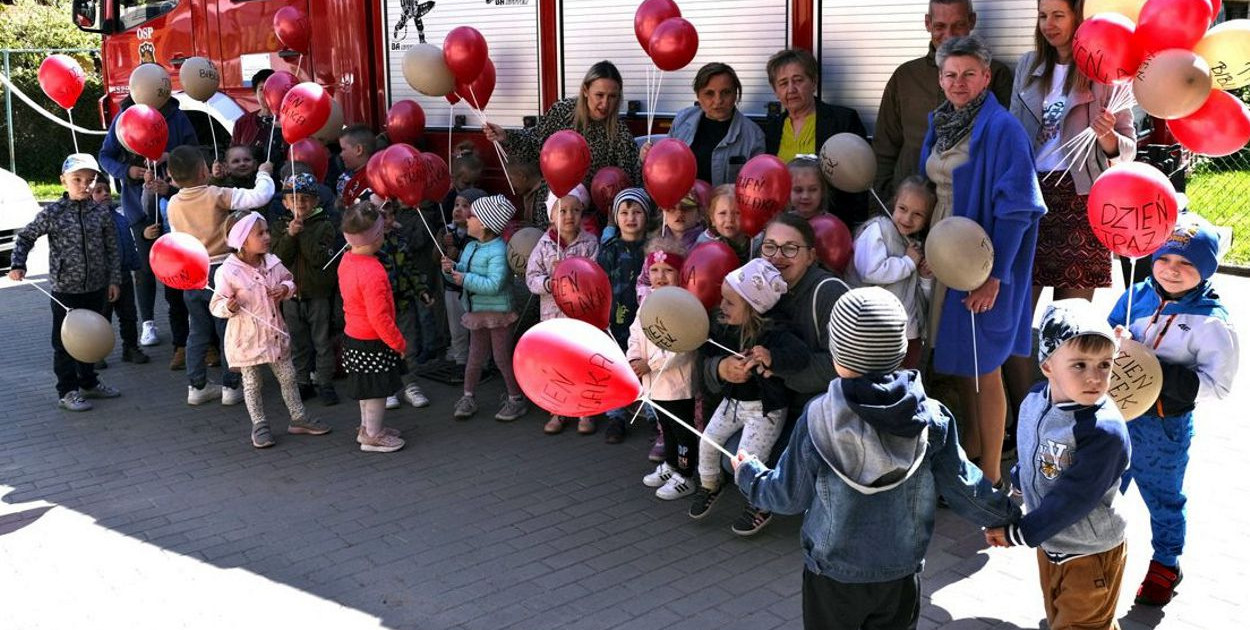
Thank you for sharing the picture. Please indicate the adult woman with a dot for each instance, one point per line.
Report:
(981, 160)
(806, 123)
(593, 113)
(720, 136)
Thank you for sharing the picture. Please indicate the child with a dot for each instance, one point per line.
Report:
(455, 238)
(86, 271)
(532, 191)
(1074, 447)
(466, 171)
(889, 253)
(200, 210)
(373, 347)
(723, 223)
(239, 168)
(758, 405)
(680, 222)
(305, 241)
(807, 188)
(408, 288)
(622, 257)
(250, 286)
(487, 304)
(357, 144)
(1178, 314)
(127, 314)
(564, 239)
(179, 319)
(865, 465)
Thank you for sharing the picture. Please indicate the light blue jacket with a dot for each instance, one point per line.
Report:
(743, 141)
(487, 279)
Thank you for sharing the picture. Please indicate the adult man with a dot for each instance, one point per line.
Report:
(913, 92)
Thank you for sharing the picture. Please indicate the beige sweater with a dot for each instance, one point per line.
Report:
(201, 211)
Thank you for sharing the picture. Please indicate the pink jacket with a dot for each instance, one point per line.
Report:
(248, 341)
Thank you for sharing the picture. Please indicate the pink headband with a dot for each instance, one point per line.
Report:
(368, 237)
(238, 233)
(668, 258)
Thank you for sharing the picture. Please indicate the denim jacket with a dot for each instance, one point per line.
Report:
(866, 462)
(743, 141)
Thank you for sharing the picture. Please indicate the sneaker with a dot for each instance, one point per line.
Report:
(329, 397)
(751, 522)
(101, 365)
(1160, 584)
(307, 427)
(676, 487)
(212, 357)
(465, 407)
(586, 426)
(101, 391)
(554, 425)
(615, 431)
(382, 443)
(132, 354)
(306, 391)
(512, 409)
(413, 395)
(73, 401)
(203, 394)
(659, 476)
(179, 360)
(148, 336)
(231, 396)
(657, 450)
(360, 433)
(261, 437)
(392, 402)
(703, 500)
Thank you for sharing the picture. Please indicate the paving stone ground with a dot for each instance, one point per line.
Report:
(147, 513)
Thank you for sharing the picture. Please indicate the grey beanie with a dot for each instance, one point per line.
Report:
(472, 194)
(868, 331)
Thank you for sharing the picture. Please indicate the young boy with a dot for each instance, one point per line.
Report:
(85, 271)
(357, 144)
(866, 464)
(127, 313)
(201, 210)
(305, 240)
(453, 238)
(1178, 314)
(409, 288)
(1073, 449)
(622, 257)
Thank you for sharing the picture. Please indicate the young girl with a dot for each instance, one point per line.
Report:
(564, 239)
(807, 188)
(250, 284)
(622, 256)
(454, 238)
(889, 252)
(487, 304)
(673, 389)
(755, 400)
(373, 347)
(682, 223)
(723, 222)
(466, 171)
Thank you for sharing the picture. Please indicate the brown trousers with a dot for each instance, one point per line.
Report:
(1081, 594)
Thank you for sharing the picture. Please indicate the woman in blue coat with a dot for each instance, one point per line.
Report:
(981, 161)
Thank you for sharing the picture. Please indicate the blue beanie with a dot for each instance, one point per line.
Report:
(1194, 240)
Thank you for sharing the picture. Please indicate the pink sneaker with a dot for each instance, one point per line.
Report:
(657, 450)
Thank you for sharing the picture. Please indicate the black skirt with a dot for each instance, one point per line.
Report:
(373, 369)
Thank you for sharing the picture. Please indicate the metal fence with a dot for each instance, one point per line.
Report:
(40, 143)
(1219, 190)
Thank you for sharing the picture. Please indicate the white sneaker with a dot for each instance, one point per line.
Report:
(662, 474)
(392, 402)
(205, 394)
(676, 488)
(414, 396)
(149, 336)
(231, 396)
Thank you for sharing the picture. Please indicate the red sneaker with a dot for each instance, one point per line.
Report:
(1159, 585)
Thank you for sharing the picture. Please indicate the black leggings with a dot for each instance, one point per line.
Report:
(681, 446)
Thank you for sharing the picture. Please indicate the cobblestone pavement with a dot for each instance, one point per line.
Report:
(147, 513)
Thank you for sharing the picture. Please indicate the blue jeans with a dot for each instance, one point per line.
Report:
(1160, 455)
(203, 325)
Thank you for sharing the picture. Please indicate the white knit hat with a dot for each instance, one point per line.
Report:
(759, 283)
(494, 212)
(580, 192)
(868, 331)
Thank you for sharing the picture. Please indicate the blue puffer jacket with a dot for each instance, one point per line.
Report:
(116, 160)
(125, 242)
(487, 279)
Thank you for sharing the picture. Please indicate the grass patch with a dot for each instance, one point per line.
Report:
(1223, 198)
(46, 191)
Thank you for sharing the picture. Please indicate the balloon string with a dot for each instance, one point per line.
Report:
(654, 379)
(499, 150)
(884, 208)
(433, 238)
(1132, 271)
(451, 122)
(687, 426)
(976, 362)
(335, 257)
(35, 284)
(212, 130)
(254, 315)
(272, 127)
(559, 218)
(729, 350)
(73, 134)
(45, 113)
(655, 100)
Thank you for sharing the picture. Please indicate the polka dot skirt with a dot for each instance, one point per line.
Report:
(373, 369)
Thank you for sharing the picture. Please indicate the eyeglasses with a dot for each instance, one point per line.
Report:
(789, 250)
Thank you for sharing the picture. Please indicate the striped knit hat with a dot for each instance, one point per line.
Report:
(636, 195)
(868, 331)
(494, 212)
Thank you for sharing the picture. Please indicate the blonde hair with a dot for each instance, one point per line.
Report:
(720, 192)
(749, 331)
(581, 110)
(360, 217)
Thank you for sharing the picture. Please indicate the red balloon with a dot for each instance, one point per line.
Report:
(452, 97)
(1132, 209)
(582, 290)
(405, 122)
(607, 183)
(311, 152)
(762, 190)
(276, 87)
(570, 368)
(564, 160)
(648, 16)
(356, 186)
(62, 79)
(834, 244)
(1164, 24)
(478, 91)
(291, 26)
(674, 43)
(669, 172)
(305, 110)
(376, 177)
(591, 224)
(142, 130)
(703, 192)
(1220, 127)
(437, 177)
(1215, 9)
(705, 268)
(1104, 50)
(179, 261)
(404, 172)
(465, 53)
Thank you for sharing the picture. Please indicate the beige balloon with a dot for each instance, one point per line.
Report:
(848, 162)
(674, 319)
(1172, 83)
(427, 73)
(199, 78)
(150, 85)
(520, 246)
(960, 253)
(330, 131)
(1130, 9)
(1136, 379)
(1226, 49)
(87, 336)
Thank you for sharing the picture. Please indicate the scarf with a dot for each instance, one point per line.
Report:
(950, 125)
